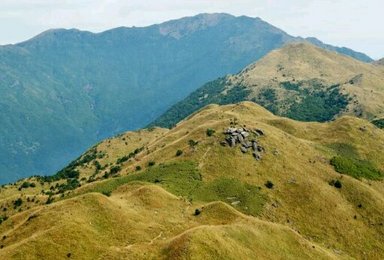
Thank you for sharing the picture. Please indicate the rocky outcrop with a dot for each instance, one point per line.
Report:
(246, 138)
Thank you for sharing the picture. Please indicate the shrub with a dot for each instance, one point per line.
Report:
(122, 159)
(336, 183)
(151, 163)
(18, 202)
(210, 132)
(179, 152)
(269, 184)
(25, 185)
(379, 123)
(192, 143)
(138, 168)
(115, 169)
(3, 218)
(49, 200)
(197, 212)
(107, 193)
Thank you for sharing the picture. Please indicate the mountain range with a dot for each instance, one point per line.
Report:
(64, 90)
(228, 182)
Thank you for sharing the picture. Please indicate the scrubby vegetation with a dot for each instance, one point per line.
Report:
(210, 132)
(210, 93)
(130, 155)
(318, 103)
(3, 218)
(26, 185)
(336, 183)
(356, 168)
(379, 123)
(311, 100)
(269, 184)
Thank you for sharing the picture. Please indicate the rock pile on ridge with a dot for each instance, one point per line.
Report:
(246, 138)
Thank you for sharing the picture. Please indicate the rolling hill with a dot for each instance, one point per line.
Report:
(64, 90)
(306, 190)
(299, 81)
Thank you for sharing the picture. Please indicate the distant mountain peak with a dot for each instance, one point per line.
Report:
(346, 51)
(185, 26)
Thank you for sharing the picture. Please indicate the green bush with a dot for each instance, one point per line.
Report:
(151, 163)
(3, 218)
(379, 123)
(179, 152)
(192, 143)
(26, 185)
(138, 168)
(269, 184)
(18, 202)
(336, 184)
(115, 169)
(107, 193)
(356, 168)
(210, 132)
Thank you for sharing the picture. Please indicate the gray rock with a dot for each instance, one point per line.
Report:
(243, 149)
(223, 143)
(240, 138)
(254, 146)
(233, 142)
(247, 144)
(256, 156)
(260, 148)
(244, 134)
(259, 132)
(230, 130)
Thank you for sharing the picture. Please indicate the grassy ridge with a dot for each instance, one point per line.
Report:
(183, 179)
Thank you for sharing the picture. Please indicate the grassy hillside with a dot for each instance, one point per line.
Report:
(183, 194)
(299, 81)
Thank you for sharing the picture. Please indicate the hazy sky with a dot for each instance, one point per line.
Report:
(356, 24)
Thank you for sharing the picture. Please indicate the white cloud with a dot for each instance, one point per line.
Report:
(351, 23)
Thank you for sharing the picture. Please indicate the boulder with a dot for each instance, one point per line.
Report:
(254, 145)
(244, 134)
(243, 149)
(247, 144)
(256, 156)
(259, 132)
(240, 138)
(232, 142)
(230, 130)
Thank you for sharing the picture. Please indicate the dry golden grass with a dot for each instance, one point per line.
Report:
(304, 217)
